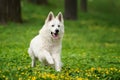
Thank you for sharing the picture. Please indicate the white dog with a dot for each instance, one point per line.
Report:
(46, 46)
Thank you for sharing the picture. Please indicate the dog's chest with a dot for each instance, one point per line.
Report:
(52, 46)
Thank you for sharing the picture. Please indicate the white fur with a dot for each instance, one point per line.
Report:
(44, 46)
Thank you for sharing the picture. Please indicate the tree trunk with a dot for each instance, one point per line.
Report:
(39, 2)
(10, 10)
(3, 12)
(70, 9)
(83, 5)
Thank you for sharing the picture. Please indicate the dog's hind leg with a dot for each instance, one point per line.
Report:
(33, 61)
(32, 57)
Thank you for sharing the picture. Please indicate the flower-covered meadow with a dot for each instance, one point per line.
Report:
(75, 67)
(67, 74)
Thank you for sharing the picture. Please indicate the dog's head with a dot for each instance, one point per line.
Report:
(55, 25)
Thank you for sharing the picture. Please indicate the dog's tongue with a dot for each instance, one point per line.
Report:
(55, 35)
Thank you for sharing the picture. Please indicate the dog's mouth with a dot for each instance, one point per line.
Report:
(55, 35)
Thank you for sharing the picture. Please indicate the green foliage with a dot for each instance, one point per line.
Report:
(91, 46)
(104, 6)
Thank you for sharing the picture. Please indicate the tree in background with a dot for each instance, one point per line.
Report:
(70, 9)
(10, 10)
(39, 1)
(83, 5)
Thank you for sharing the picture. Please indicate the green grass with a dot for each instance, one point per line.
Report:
(91, 45)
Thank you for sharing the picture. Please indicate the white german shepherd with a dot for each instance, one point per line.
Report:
(46, 46)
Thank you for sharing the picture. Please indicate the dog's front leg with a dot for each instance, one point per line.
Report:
(57, 61)
(46, 55)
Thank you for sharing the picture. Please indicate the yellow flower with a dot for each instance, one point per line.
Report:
(107, 72)
(3, 76)
(92, 69)
(52, 76)
(119, 70)
(111, 69)
(22, 73)
(18, 68)
(99, 69)
(88, 74)
(6, 78)
(61, 76)
(20, 79)
(79, 78)
(29, 77)
(98, 77)
(33, 78)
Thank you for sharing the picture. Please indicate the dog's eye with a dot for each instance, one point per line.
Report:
(58, 25)
(52, 25)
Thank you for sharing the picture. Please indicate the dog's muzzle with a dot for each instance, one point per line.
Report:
(56, 34)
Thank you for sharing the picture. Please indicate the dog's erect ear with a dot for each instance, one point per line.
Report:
(49, 17)
(60, 17)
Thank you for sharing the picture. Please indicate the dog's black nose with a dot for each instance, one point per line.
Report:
(56, 30)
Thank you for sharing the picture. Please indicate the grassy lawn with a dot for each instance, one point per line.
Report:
(91, 45)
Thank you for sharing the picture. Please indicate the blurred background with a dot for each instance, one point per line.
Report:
(20, 10)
